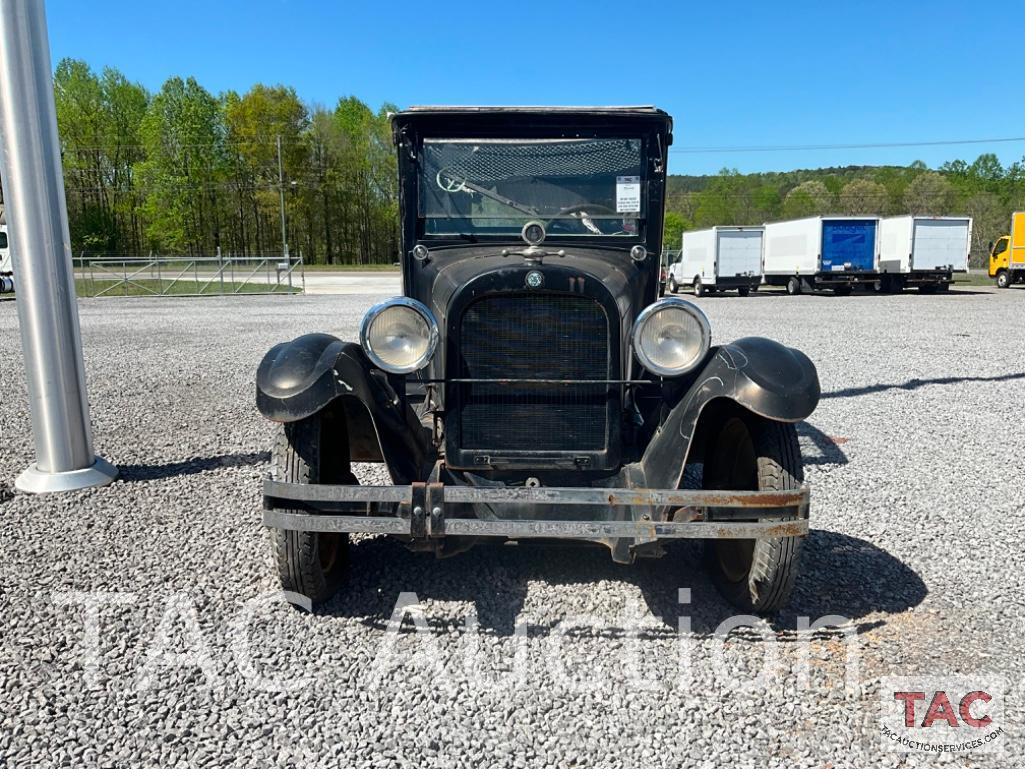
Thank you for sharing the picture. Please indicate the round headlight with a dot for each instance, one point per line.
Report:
(399, 335)
(671, 337)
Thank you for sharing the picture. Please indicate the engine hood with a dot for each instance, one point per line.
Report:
(434, 281)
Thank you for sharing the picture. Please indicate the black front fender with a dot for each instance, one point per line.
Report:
(763, 376)
(303, 377)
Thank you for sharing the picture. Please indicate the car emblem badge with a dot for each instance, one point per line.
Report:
(535, 279)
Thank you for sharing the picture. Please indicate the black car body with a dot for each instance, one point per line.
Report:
(539, 403)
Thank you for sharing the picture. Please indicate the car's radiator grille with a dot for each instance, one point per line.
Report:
(534, 336)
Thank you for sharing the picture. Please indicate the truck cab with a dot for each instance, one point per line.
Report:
(1007, 254)
(529, 383)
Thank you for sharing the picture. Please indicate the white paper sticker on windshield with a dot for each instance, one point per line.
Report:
(628, 194)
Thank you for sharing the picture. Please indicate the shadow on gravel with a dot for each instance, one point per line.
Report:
(840, 575)
(134, 473)
(914, 384)
(825, 448)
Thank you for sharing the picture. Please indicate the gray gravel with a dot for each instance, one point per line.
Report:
(914, 457)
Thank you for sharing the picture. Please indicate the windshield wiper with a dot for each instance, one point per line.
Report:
(465, 185)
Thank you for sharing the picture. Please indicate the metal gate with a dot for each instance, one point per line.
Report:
(188, 276)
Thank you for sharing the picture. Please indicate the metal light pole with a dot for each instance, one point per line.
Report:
(281, 189)
(37, 219)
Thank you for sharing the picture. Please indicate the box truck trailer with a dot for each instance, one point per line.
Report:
(837, 252)
(1007, 255)
(922, 251)
(719, 259)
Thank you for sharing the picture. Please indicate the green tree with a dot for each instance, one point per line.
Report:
(254, 123)
(863, 196)
(98, 119)
(672, 230)
(185, 168)
(930, 194)
(809, 198)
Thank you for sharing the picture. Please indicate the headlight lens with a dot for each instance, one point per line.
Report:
(671, 337)
(399, 335)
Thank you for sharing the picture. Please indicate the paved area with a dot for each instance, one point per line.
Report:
(353, 283)
(513, 656)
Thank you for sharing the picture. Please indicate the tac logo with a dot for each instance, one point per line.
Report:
(932, 714)
(940, 709)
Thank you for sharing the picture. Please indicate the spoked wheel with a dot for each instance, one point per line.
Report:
(751, 453)
(310, 563)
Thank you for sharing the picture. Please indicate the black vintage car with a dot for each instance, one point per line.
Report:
(530, 383)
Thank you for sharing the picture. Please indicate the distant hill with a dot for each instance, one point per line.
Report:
(984, 190)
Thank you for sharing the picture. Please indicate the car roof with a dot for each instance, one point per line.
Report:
(494, 116)
(646, 109)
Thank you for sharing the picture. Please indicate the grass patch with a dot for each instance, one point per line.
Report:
(974, 279)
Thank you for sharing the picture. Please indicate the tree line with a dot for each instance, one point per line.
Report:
(184, 171)
(984, 190)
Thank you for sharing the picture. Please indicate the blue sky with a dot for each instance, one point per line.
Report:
(731, 73)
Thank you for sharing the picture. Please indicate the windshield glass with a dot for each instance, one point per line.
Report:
(579, 187)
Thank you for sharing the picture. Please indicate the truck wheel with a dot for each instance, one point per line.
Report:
(310, 563)
(673, 286)
(744, 291)
(794, 286)
(1003, 279)
(842, 291)
(699, 287)
(751, 453)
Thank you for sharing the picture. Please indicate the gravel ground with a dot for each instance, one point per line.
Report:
(918, 531)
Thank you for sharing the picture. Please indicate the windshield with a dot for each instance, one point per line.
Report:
(580, 187)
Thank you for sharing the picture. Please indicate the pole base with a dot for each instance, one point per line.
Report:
(35, 481)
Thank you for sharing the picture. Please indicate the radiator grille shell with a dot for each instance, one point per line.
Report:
(540, 336)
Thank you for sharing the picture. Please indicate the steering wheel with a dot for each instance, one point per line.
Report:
(448, 181)
(583, 208)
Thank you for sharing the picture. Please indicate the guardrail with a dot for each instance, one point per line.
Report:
(188, 276)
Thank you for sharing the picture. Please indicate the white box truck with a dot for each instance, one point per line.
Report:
(837, 252)
(923, 251)
(6, 270)
(718, 259)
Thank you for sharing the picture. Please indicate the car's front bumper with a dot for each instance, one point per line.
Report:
(419, 510)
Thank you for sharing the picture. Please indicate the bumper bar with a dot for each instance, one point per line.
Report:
(421, 511)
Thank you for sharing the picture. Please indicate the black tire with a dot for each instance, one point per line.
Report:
(927, 288)
(842, 291)
(1004, 279)
(310, 563)
(744, 291)
(752, 453)
(673, 285)
(699, 287)
(943, 287)
(794, 286)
